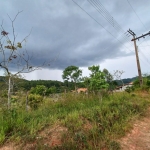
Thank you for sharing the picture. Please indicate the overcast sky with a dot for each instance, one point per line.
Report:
(81, 33)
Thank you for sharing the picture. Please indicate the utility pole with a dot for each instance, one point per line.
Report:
(137, 57)
(142, 36)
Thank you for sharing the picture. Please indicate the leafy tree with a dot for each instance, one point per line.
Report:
(108, 76)
(86, 81)
(39, 90)
(97, 79)
(110, 80)
(72, 73)
(52, 89)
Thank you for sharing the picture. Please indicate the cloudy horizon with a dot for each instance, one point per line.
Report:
(81, 33)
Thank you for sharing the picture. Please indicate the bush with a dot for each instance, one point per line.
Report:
(39, 90)
(129, 89)
(145, 88)
(4, 94)
(148, 83)
(34, 100)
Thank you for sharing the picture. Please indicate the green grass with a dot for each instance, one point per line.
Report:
(108, 119)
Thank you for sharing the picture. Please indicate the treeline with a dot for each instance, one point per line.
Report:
(27, 85)
(60, 86)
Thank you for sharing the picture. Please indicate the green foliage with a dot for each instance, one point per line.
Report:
(144, 88)
(72, 73)
(130, 89)
(34, 100)
(86, 81)
(39, 90)
(136, 83)
(52, 90)
(97, 79)
(43, 90)
(148, 83)
(4, 94)
(91, 124)
(108, 76)
(27, 85)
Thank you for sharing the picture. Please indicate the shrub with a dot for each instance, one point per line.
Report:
(145, 88)
(39, 90)
(34, 100)
(129, 89)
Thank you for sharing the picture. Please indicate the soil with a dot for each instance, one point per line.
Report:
(139, 137)
(49, 137)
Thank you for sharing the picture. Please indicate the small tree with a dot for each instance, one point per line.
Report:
(97, 79)
(108, 76)
(39, 90)
(52, 89)
(86, 82)
(72, 73)
(13, 56)
(109, 79)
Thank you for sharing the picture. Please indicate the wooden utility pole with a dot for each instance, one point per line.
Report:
(137, 57)
(142, 36)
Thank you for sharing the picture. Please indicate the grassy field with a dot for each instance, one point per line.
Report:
(75, 121)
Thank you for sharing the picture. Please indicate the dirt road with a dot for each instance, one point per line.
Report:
(139, 137)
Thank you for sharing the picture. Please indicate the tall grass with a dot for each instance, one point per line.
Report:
(106, 120)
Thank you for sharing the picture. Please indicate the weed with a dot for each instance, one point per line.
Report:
(91, 123)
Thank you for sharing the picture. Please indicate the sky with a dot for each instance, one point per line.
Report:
(80, 33)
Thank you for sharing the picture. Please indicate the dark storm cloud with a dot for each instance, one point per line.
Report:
(65, 35)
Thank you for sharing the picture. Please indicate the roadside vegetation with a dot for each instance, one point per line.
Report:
(91, 121)
(53, 115)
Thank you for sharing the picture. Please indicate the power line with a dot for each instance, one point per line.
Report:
(145, 56)
(143, 41)
(144, 46)
(99, 23)
(142, 36)
(136, 14)
(101, 9)
(138, 18)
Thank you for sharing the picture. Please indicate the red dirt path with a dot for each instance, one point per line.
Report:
(139, 137)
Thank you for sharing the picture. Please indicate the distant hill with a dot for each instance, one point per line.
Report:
(126, 80)
(26, 84)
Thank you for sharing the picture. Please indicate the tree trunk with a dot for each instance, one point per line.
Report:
(9, 92)
(27, 107)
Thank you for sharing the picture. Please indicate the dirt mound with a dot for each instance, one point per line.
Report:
(49, 137)
(52, 137)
